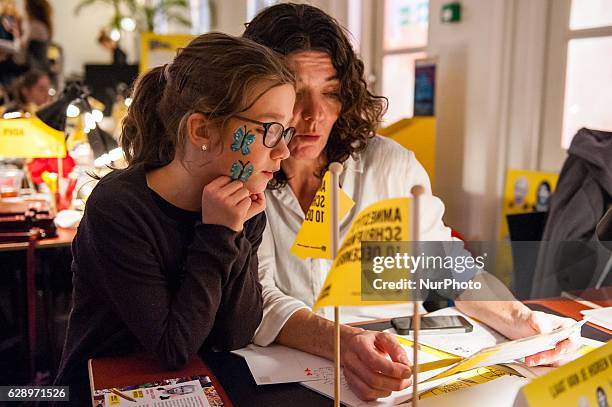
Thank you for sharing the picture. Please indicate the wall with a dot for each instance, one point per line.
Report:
(472, 80)
(78, 34)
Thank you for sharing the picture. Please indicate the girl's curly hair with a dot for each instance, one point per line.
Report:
(290, 27)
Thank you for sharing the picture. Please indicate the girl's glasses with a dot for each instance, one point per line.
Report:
(273, 132)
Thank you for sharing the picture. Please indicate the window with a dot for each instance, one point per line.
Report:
(255, 6)
(588, 86)
(579, 58)
(201, 16)
(405, 25)
(590, 14)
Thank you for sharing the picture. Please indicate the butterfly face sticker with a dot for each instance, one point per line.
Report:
(242, 140)
(241, 171)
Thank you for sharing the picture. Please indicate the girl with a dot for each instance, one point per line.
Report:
(165, 258)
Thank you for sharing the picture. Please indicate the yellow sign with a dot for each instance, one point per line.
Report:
(160, 49)
(526, 191)
(585, 382)
(467, 379)
(417, 134)
(313, 239)
(30, 138)
(386, 221)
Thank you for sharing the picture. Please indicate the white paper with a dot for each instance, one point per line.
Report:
(326, 385)
(280, 364)
(460, 344)
(326, 388)
(500, 392)
(599, 316)
(518, 349)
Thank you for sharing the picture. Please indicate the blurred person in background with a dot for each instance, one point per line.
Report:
(119, 57)
(29, 92)
(10, 23)
(28, 43)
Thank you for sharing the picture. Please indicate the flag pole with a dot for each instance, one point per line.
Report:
(335, 169)
(416, 192)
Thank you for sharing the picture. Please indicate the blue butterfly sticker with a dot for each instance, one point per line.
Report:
(242, 171)
(242, 140)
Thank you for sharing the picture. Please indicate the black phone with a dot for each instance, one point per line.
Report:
(442, 324)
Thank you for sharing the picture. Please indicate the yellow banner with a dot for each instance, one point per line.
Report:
(584, 382)
(30, 138)
(159, 49)
(313, 239)
(526, 191)
(386, 221)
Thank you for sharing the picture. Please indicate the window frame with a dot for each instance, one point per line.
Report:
(380, 52)
(552, 154)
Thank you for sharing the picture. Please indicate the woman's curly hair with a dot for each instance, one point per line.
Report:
(288, 28)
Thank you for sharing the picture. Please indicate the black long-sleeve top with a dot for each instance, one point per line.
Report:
(150, 276)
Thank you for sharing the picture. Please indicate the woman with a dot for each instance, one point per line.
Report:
(29, 48)
(165, 256)
(335, 118)
(29, 92)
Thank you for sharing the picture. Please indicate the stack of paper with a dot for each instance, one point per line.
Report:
(599, 316)
(444, 361)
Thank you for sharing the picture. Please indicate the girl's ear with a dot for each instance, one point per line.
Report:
(198, 131)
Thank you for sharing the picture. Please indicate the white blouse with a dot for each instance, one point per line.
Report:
(384, 170)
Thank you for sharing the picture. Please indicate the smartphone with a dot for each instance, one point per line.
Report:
(448, 324)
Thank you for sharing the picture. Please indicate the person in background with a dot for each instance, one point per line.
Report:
(10, 29)
(336, 117)
(38, 32)
(29, 92)
(28, 48)
(119, 57)
(570, 259)
(165, 257)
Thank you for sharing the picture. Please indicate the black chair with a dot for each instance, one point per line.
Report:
(526, 230)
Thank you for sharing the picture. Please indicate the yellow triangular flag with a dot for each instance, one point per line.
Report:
(387, 220)
(30, 138)
(314, 238)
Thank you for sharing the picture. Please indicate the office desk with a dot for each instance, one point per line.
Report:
(27, 270)
(237, 381)
(64, 239)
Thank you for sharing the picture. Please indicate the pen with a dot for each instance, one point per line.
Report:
(118, 393)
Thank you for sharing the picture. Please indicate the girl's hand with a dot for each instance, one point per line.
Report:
(258, 204)
(228, 203)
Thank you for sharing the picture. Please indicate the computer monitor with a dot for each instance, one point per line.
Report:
(103, 80)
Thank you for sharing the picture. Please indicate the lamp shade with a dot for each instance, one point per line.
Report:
(54, 115)
(101, 142)
(29, 138)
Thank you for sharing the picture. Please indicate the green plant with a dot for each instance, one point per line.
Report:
(145, 12)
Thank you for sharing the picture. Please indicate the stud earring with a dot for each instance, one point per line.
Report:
(204, 147)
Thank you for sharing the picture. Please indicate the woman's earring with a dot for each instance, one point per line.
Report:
(204, 147)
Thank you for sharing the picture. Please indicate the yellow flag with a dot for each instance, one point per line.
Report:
(387, 220)
(583, 382)
(30, 138)
(313, 239)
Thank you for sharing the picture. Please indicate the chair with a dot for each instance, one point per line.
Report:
(526, 229)
(603, 231)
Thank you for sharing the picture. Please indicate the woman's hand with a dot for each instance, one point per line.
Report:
(565, 351)
(229, 203)
(375, 364)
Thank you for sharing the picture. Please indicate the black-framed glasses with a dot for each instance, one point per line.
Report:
(273, 131)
